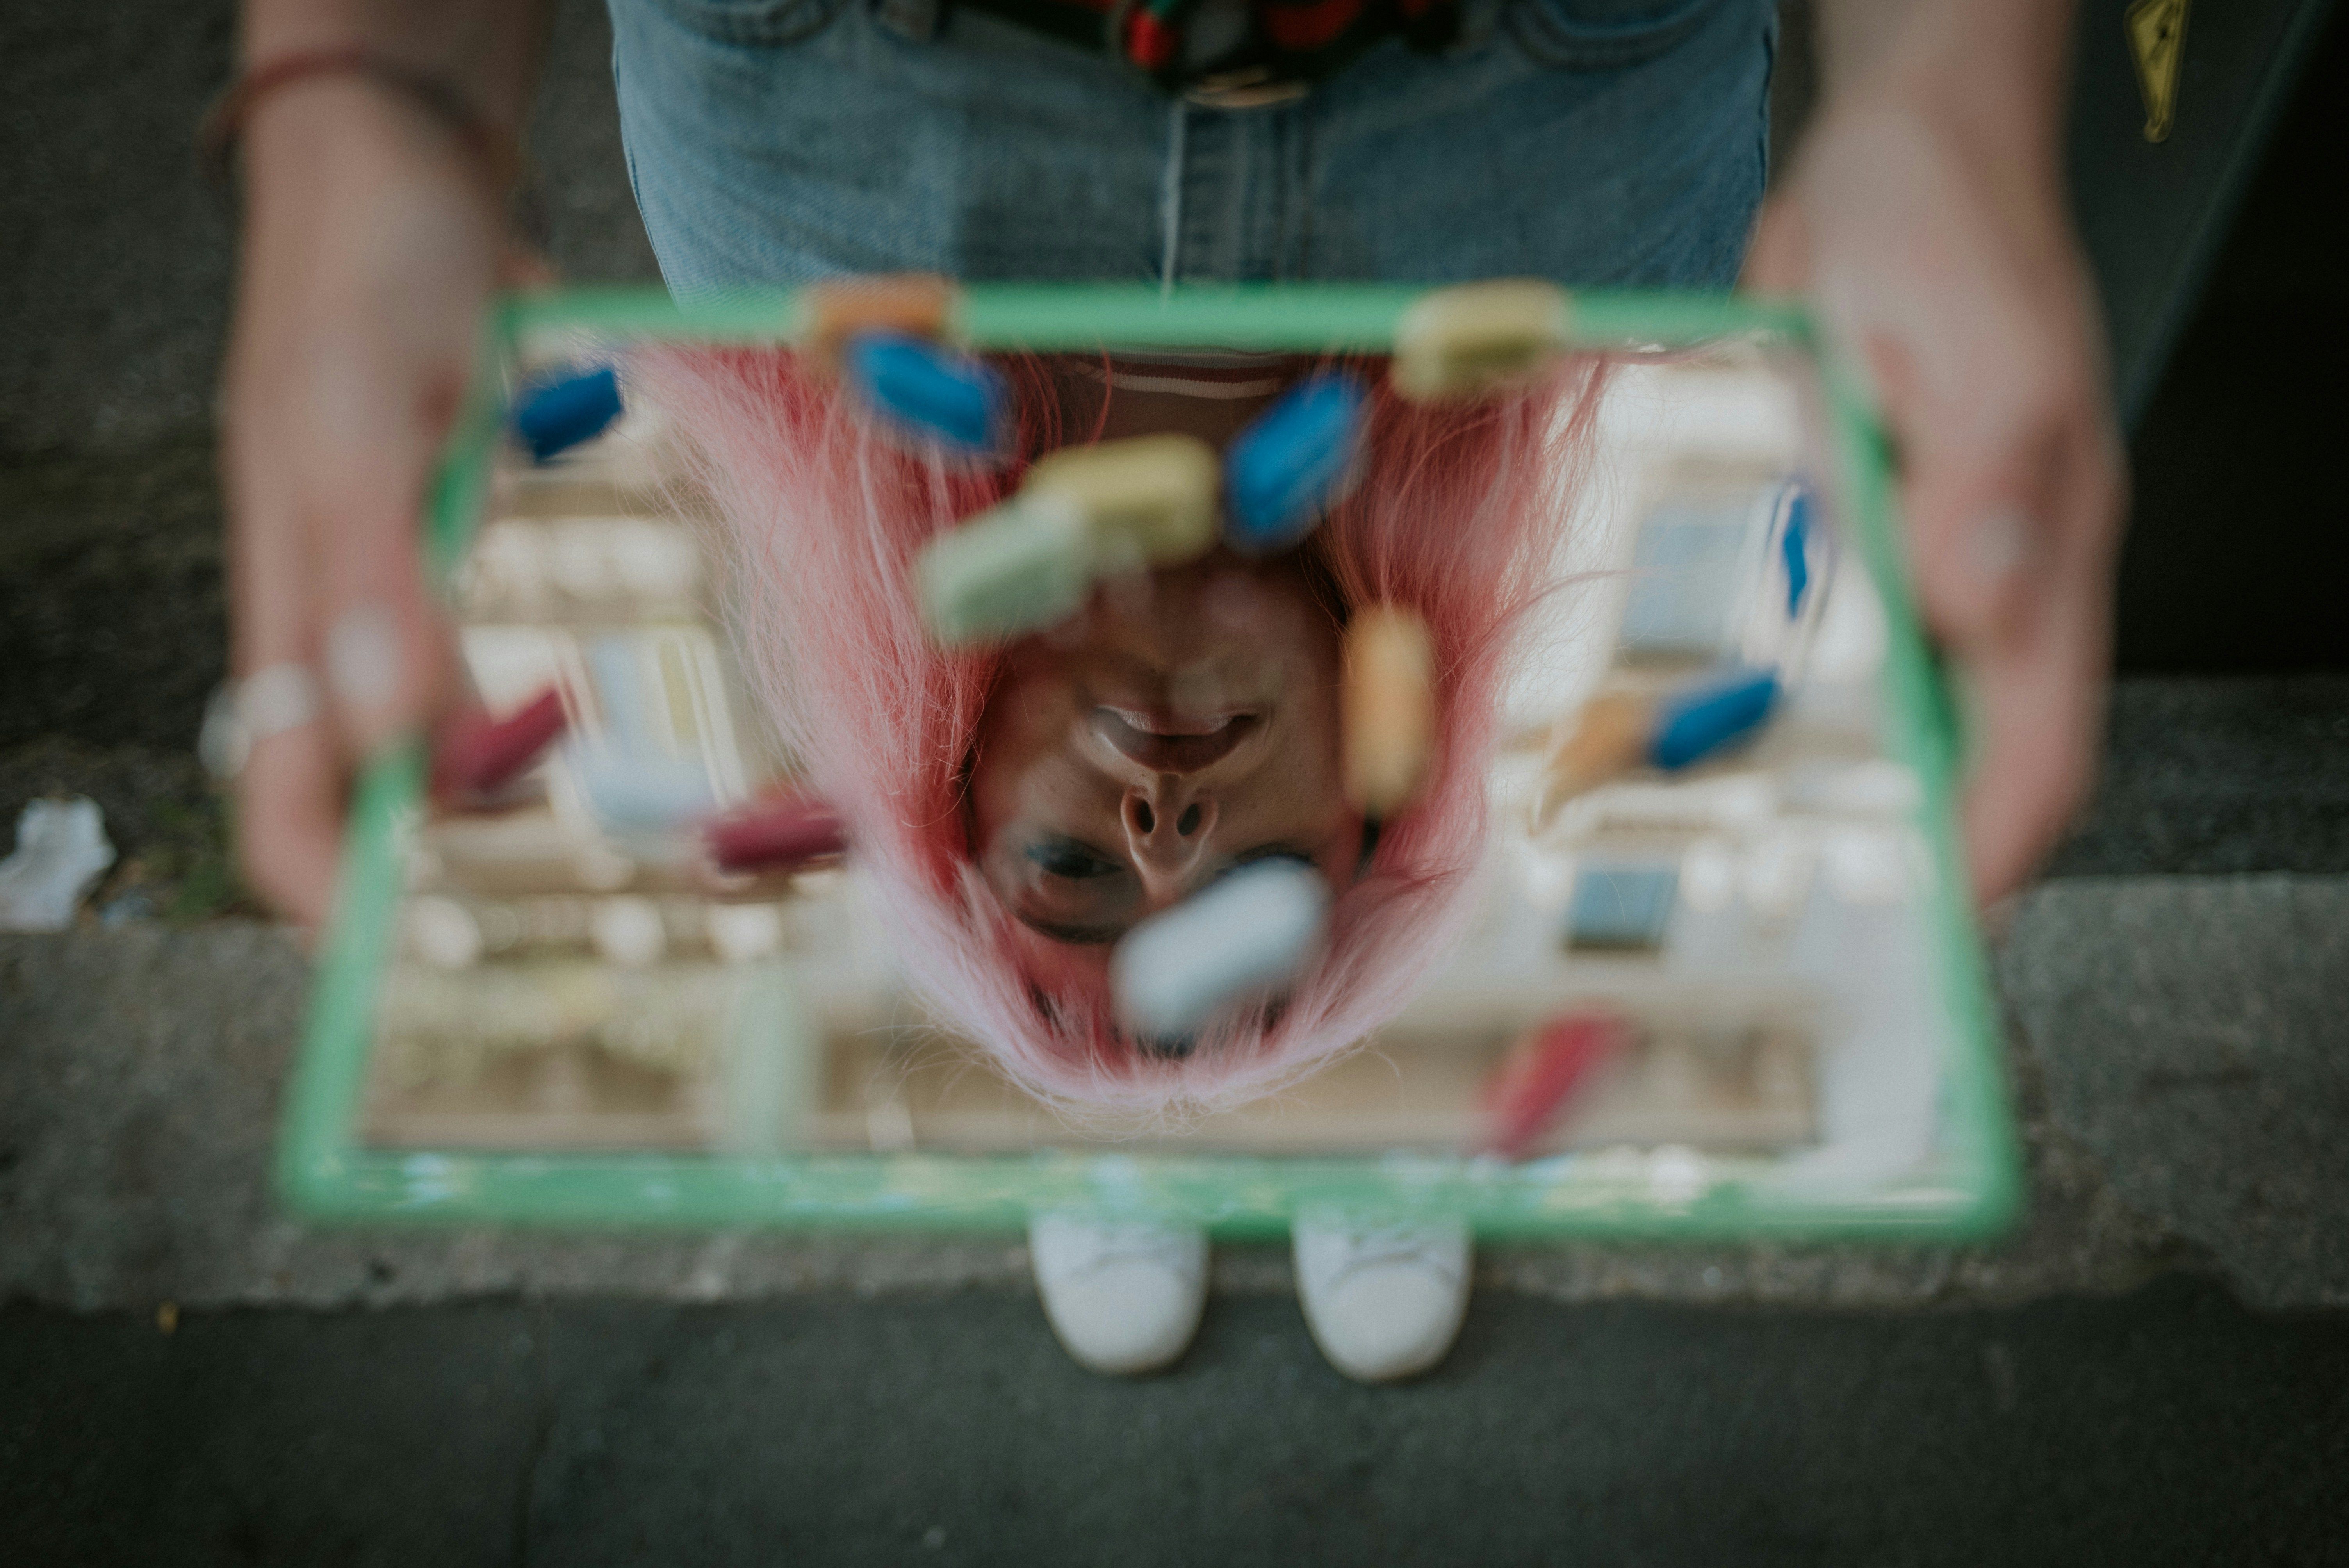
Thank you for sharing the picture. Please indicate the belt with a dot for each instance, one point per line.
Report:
(1286, 47)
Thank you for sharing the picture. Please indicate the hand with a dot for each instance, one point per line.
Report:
(370, 248)
(1924, 220)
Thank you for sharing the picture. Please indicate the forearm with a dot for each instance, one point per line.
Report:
(2003, 62)
(308, 140)
(488, 50)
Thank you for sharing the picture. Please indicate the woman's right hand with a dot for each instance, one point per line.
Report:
(371, 243)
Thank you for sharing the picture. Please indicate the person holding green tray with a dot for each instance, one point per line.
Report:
(1127, 851)
(1595, 142)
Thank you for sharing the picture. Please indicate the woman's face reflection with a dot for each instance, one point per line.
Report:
(1186, 724)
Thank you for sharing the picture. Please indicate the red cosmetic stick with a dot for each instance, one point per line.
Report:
(478, 755)
(1541, 1073)
(777, 834)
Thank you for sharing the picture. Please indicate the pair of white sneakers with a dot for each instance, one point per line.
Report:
(1124, 1297)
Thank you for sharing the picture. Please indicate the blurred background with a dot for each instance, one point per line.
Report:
(2154, 1368)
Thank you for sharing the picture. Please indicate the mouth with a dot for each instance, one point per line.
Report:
(1169, 743)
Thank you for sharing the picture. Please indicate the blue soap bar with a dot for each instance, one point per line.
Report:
(555, 414)
(1295, 462)
(631, 782)
(1238, 940)
(1684, 577)
(1795, 549)
(1621, 907)
(1696, 724)
(949, 397)
(635, 794)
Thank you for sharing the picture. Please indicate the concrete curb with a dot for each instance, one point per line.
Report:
(2179, 1070)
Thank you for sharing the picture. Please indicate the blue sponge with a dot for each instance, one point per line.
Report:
(1695, 725)
(946, 397)
(1294, 463)
(1795, 549)
(557, 413)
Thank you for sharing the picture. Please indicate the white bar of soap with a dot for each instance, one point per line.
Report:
(1237, 941)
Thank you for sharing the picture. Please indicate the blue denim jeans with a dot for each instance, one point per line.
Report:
(1593, 141)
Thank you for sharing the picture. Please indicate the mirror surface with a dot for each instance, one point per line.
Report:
(1501, 776)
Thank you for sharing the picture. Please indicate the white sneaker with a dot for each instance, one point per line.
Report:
(1124, 1296)
(1383, 1301)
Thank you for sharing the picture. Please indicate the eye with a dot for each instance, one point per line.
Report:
(1068, 859)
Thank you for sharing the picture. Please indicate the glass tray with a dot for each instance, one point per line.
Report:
(1955, 1176)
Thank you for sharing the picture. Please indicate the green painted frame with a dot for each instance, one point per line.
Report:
(1970, 1188)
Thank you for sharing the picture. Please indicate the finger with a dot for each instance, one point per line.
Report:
(1983, 492)
(383, 644)
(2013, 506)
(289, 792)
(384, 649)
(1778, 259)
(1997, 407)
(289, 823)
(2038, 683)
(387, 375)
(2037, 707)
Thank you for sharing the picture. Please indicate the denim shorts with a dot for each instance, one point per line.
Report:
(1594, 142)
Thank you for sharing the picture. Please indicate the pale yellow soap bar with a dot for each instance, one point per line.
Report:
(1017, 569)
(1387, 707)
(1473, 339)
(1609, 736)
(1150, 501)
(909, 305)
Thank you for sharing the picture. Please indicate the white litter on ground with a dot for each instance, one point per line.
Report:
(61, 852)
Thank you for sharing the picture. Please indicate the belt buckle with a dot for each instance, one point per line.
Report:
(1249, 87)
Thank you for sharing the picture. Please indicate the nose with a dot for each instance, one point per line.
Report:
(1167, 822)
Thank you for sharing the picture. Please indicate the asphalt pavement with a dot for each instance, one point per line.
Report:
(2168, 1427)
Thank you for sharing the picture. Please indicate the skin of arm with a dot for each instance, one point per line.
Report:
(370, 242)
(1925, 219)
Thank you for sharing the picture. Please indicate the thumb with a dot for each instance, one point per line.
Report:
(522, 266)
(385, 649)
(1980, 479)
(1778, 262)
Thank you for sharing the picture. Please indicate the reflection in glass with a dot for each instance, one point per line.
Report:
(1656, 896)
(1022, 807)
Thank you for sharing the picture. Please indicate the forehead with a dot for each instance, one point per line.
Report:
(1207, 395)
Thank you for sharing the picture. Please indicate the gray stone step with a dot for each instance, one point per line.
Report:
(2177, 1045)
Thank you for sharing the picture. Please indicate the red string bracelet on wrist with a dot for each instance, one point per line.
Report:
(223, 123)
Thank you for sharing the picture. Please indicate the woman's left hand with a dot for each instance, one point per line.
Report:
(1925, 221)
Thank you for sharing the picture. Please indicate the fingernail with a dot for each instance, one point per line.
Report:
(1991, 558)
(1994, 550)
(363, 660)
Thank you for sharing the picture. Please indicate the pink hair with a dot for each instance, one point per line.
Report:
(823, 513)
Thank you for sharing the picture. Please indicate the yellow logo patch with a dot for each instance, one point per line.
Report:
(2156, 36)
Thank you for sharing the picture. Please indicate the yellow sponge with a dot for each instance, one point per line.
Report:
(1387, 709)
(1151, 501)
(1473, 339)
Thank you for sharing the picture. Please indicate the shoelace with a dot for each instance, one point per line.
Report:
(1391, 1243)
(1101, 1245)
